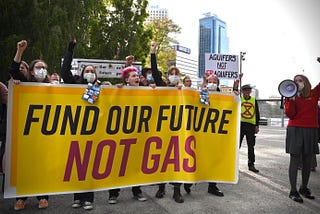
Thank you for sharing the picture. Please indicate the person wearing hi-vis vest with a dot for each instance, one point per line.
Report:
(250, 117)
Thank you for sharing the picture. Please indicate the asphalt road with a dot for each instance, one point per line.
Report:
(265, 192)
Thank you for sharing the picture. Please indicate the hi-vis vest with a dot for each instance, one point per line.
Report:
(248, 110)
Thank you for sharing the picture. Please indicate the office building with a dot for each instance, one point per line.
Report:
(155, 12)
(187, 64)
(212, 38)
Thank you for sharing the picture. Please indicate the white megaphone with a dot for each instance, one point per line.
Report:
(287, 88)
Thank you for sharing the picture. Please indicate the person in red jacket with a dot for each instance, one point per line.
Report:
(302, 134)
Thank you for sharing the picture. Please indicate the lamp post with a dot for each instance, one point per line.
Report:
(242, 58)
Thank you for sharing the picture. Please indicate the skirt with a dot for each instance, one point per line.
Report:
(300, 140)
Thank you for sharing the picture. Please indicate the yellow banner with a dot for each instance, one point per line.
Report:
(59, 143)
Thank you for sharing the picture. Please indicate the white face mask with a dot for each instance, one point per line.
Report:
(55, 82)
(173, 79)
(150, 78)
(212, 86)
(90, 77)
(300, 86)
(40, 74)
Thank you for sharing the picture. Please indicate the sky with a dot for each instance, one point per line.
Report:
(281, 38)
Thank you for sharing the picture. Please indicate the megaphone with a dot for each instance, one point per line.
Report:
(287, 88)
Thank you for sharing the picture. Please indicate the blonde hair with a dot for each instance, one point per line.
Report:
(25, 64)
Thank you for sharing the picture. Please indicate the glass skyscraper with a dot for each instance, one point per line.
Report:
(212, 39)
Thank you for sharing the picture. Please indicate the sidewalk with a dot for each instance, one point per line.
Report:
(265, 192)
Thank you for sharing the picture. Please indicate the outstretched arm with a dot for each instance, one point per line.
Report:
(66, 73)
(21, 46)
(14, 71)
(129, 60)
(154, 67)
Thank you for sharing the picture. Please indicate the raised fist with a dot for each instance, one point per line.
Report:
(153, 47)
(21, 45)
(129, 60)
(71, 45)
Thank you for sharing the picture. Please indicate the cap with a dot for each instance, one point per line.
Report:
(248, 86)
(127, 70)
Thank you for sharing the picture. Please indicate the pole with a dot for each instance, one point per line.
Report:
(240, 70)
(242, 58)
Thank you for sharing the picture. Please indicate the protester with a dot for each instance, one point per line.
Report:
(173, 79)
(319, 123)
(211, 83)
(146, 76)
(143, 80)
(108, 83)
(149, 77)
(152, 75)
(37, 73)
(302, 134)
(24, 68)
(250, 117)
(187, 81)
(3, 123)
(88, 75)
(130, 77)
(37, 68)
(55, 78)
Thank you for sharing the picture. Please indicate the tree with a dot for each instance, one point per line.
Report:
(162, 30)
(123, 32)
(105, 29)
(12, 21)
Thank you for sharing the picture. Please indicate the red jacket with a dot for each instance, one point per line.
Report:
(303, 112)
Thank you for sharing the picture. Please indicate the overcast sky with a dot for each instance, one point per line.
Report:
(281, 37)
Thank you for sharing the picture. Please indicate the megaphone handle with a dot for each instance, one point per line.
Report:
(281, 103)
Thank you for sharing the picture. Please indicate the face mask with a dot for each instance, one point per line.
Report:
(173, 79)
(40, 74)
(55, 82)
(150, 78)
(90, 77)
(300, 86)
(212, 86)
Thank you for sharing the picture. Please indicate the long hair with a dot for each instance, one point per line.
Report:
(173, 68)
(81, 79)
(31, 75)
(25, 64)
(306, 91)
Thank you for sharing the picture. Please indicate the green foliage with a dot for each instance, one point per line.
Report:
(163, 29)
(124, 31)
(104, 29)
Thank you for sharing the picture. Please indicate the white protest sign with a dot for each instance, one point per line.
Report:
(224, 66)
(104, 68)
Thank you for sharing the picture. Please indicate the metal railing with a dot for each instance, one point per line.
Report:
(270, 112)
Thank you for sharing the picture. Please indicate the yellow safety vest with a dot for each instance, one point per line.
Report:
(248, 110)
